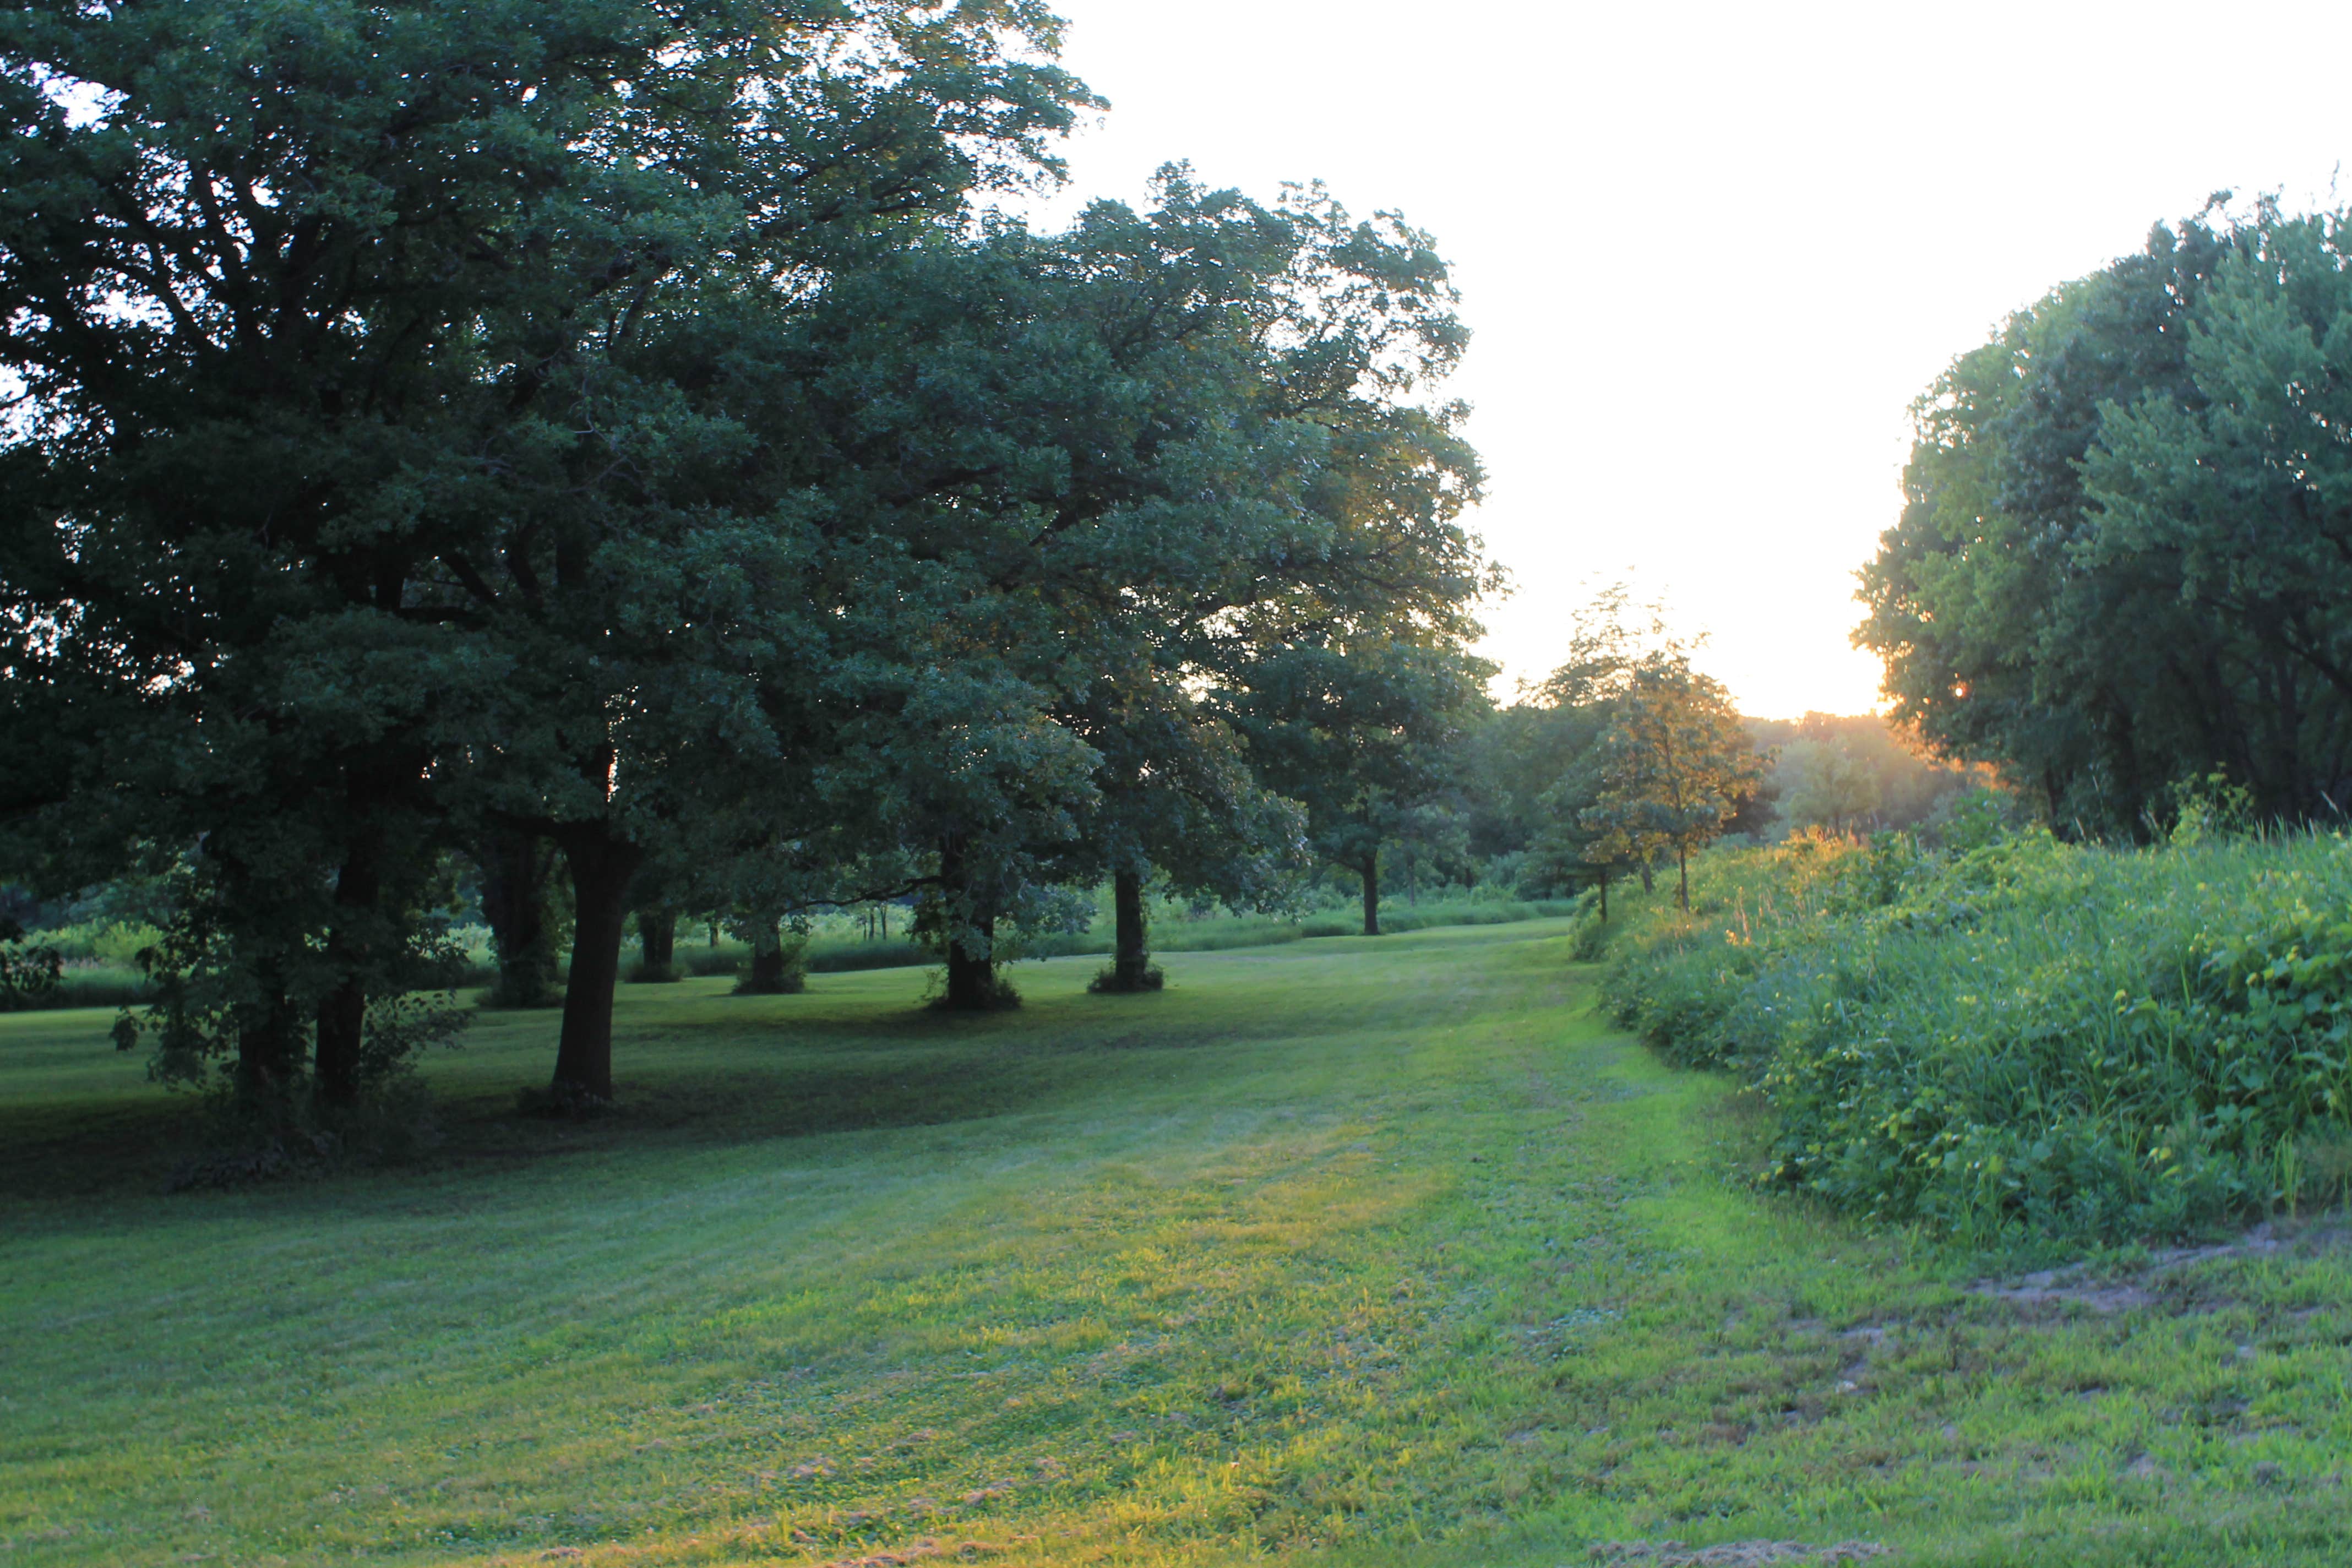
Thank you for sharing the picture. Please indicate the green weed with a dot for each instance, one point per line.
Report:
(2026, 1040)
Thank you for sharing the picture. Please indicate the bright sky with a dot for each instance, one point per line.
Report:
(1712, 251)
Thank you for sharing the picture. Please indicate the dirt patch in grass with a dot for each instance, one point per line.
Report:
(2157, 1281)
(1735, 1553)
(2059, 1287)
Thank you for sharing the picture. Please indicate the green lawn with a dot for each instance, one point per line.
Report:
(1386, 1249)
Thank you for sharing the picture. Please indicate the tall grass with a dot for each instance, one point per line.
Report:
(99, 985)
(2025, 1038)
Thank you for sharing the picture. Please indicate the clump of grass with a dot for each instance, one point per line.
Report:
(2023, 1038)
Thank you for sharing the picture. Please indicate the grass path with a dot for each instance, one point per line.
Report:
(1387, 1251)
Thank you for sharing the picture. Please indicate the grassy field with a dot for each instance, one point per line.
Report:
(101, 968)
(1389, 1251)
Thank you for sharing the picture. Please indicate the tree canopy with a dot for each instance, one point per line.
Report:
(2125, 551)
(615, 425)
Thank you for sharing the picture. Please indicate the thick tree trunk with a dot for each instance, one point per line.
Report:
(342, 1016)
(1130, 964)
(1131, 933)
(600, 868)
(767, 975)
(657, 944)
(972, 984)
(972, 979)
(268, 1045)
(1371, 870)
(515, 870)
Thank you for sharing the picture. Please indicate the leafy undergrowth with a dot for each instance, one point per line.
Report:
(1387, 1252)
(2027, 1041)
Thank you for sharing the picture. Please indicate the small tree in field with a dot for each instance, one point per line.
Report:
(1676, 763)
(1584, 830)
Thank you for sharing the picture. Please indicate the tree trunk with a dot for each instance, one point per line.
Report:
(600, 868)
(269, 1043)
(1604, 898)
(1130, 968)
(971, 981)
(1371, 869)
(1682, 868)
(515, 869)
(270, 1046)
(767, 975)
(342, 1016)
(972, 984)
(657, 944)
(1647, 885)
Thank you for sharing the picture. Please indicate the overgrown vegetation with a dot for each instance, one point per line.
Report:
(2019, 1038)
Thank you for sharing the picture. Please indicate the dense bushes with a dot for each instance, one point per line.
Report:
(2025, 1036)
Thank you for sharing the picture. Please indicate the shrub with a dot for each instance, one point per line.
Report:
(2023, 1035)
(29, 971)
(1110, 982)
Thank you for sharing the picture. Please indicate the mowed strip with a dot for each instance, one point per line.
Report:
(1382, 1247)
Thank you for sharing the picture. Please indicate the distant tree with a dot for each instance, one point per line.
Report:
(1517, 754)
(1825, 783)
(1574, 836)
(518, 888)
(1365, 734)
(1675, 765)
(1910, 784)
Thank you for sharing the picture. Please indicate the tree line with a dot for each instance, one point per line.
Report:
(2124, 564)
(621, 435)
(615, 460)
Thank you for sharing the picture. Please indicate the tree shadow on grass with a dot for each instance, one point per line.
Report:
(705, 1070)
(91, 1148)
(709, 1083)
(804, 1098)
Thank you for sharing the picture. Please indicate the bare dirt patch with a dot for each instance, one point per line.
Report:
(2058, 1287)
(2155, 1280)
(1736, 1554)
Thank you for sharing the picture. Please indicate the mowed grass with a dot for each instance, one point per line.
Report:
(1385, 1251)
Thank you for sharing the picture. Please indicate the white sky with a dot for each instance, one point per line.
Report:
(1712, 251)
